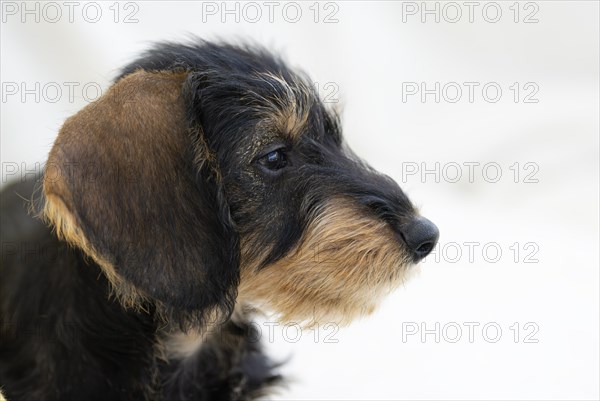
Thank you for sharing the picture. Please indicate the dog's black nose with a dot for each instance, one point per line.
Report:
(420, 235)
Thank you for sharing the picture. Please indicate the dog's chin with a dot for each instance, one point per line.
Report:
(310, 308)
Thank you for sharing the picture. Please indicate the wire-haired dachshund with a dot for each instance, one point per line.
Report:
(209, 182)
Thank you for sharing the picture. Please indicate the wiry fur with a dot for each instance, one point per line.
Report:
(168, 228)
(344, 263)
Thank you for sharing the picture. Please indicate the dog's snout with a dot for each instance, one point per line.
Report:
(420, 235)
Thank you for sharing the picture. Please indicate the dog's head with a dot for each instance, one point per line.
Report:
(212, 174)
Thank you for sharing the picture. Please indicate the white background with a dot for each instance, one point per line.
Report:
(368, 54)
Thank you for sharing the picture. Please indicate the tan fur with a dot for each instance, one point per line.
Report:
(346, 261)
(174, 343)
(183, 345)
(293, 109)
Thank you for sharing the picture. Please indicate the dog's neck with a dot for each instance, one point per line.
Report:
(182, 344)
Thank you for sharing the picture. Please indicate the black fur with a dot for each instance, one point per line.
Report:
(64, 334)
(64, 338)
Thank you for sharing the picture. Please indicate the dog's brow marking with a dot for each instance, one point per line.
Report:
(292, 109)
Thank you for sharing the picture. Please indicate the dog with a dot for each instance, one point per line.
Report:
(207, 184)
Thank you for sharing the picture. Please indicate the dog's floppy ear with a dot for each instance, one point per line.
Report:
(137, 190)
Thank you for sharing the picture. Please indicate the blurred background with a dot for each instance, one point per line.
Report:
(486, 113)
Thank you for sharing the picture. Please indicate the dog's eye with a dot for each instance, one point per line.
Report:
(274, 160)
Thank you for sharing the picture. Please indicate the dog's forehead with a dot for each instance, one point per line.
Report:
(284, 109)
(287, 104)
